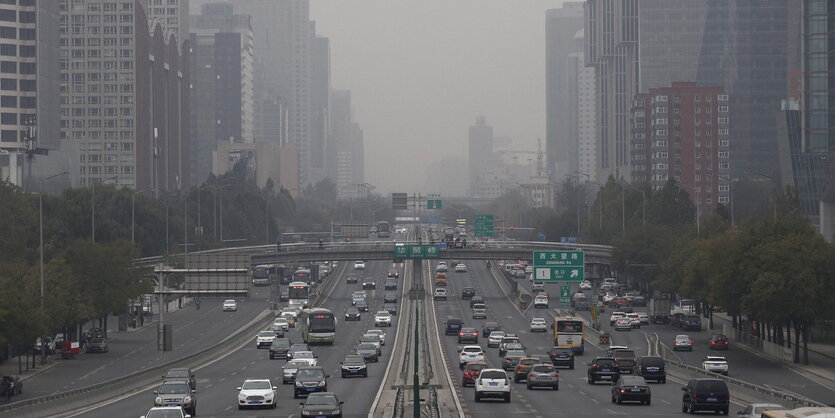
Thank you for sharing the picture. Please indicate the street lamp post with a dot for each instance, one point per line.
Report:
(40, 216)
(93, 202)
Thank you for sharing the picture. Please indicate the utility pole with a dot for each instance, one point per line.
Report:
(415, 378)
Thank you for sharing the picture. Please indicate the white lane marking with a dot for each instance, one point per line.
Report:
(95, 371)
(595, 401)
(666, 401)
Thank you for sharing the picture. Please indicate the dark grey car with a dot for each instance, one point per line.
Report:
(309, 380)
(354, 365)
(279, 348)
(176, 393)
(321, 404)
(368, 352)
(511, 358)
(182, 373)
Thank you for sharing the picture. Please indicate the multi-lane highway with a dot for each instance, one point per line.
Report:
(217, 382)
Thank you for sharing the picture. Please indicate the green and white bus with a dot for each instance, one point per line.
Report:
(317, 326)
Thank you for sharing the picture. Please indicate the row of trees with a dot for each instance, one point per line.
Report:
(768, 266)
(86, 280)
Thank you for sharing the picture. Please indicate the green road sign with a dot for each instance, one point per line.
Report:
(484, 225)
(417, 251)
(433, 204)
(565, 291)
(564, 302)
(559, 266)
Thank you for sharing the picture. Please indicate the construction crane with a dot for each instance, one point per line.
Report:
(540, 156)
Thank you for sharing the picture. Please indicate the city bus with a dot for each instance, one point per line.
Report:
(262, 274)
(317, 326)
(302, 275)
(298, 294)
(383, 229)
(570, 332)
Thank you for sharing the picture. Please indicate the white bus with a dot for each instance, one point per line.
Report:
(299, 294)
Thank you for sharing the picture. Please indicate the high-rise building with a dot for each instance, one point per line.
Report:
(29, 101)
(282, 71)
(741, 45)
(561, 145)
(345, 146)
(480, 151)
(582, 111)
(124, 96)
(800, 167)
(681, 132)
(172, 15)
(320, 87)
(222, 103)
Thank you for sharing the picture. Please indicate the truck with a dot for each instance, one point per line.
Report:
(660, 308)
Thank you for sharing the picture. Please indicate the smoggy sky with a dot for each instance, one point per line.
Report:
(421, 71)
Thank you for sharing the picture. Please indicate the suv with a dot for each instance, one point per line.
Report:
(453, 326)
(706, 395)
(479, 311)
(176, 393)
(279, 348)
(626, 361)
(97, 345)
(476, 299)
(182, 373)
(523, 366)
(543, 374)
(310, 379)
(489, 327)
(603, 368)
(492, 383)
(562, 357)
(652, 368)
(391, 284)
(691, 323)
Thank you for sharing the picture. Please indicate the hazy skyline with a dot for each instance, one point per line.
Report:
(420, 73)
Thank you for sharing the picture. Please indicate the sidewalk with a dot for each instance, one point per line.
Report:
(821, 356)
(22, 365)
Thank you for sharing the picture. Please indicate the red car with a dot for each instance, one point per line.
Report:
(719, 342)
(352, 280)
(471, 372)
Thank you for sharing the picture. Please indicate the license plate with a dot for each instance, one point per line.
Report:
(320, 416)
(493, 384)
(652, 369)
(255, 402)
(606, 370)
(172, 404)
(311, 389)
(635, 390)
(711, 399)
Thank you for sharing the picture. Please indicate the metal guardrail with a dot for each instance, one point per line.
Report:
(40, 406)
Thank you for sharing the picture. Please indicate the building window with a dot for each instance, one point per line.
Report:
(723, 98)
(723, 109)
(724, 143)
(723, 188)
(724, 165)
(723, 199)
(661, 132)
(723, 154)
(723, 120)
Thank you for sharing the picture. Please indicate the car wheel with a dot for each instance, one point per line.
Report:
(507, 397)
(274, 405)
(240, 407)
(557, 386)
(683, 407)
(649, 401)
(590, 380)
(529, 386)
(516, 379)
(725, 411)
(343, 375)
(571, 366)
(664, 380)
(613, 398)
(461, 365)
(691, 410)
(477, 396)
(295, 395)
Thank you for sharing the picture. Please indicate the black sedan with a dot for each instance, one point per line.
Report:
(369, 284)
(352, 314)
(390, 297)
(322, 404)
(631, 388)
(467, 293)
(362, 306)
(391, 307)
(562, 357)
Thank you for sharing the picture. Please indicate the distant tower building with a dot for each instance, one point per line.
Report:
(561, 143)
(345, 146)
(681, 133)
(480, 151)
(172, 15)
(741, 45)
(320, 89)
(125, 97)
(29, 106)
(222, 102)
(583, 111)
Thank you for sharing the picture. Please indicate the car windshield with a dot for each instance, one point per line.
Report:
(513, 346)
(261, 384)
(177, 373)
(295, 364)
(165, 413)
(370, 338)
(353, 360)
(317, 399)
(605, 362)
(497, 334)
(515, 353)
(174, 388)
(366, 347)
(472, 349)
(303, 354)
(280, 321)
(633, 381)
(310, 373)
(493, 374)
(265, 334)
(299, 347)
(543, 369)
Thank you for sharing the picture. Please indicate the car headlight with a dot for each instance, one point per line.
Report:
(322, 383)
(336, 412)
(269, 395)
(187, 399)
(158, 400)
(299, 384)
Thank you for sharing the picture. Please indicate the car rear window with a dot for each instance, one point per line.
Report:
(605, 362)
(624, 354)
(543, 369)
(475, 366)
(493, 375)
(712, 386)
(652, 361)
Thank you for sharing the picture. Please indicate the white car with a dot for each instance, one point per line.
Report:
(264, 339)
(495, 338)
(540, 301)
(441, 266)
(281, 324)
(359, 265)
(230, 305)
(492, 383)
(585, 285)
(613, 318)
(257, 392)
(380, 333)
(357, 296)
(439, 294)
(716, 364)
(166, 412)
(306, 356)
(460, 268)
(634, 319)
(288, 310)
(470, 353)
(644, 317)
(539, 325)
(382, 318)
(290, 368)
(683, 342)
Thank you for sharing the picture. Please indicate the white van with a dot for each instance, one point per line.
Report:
(479, 311)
